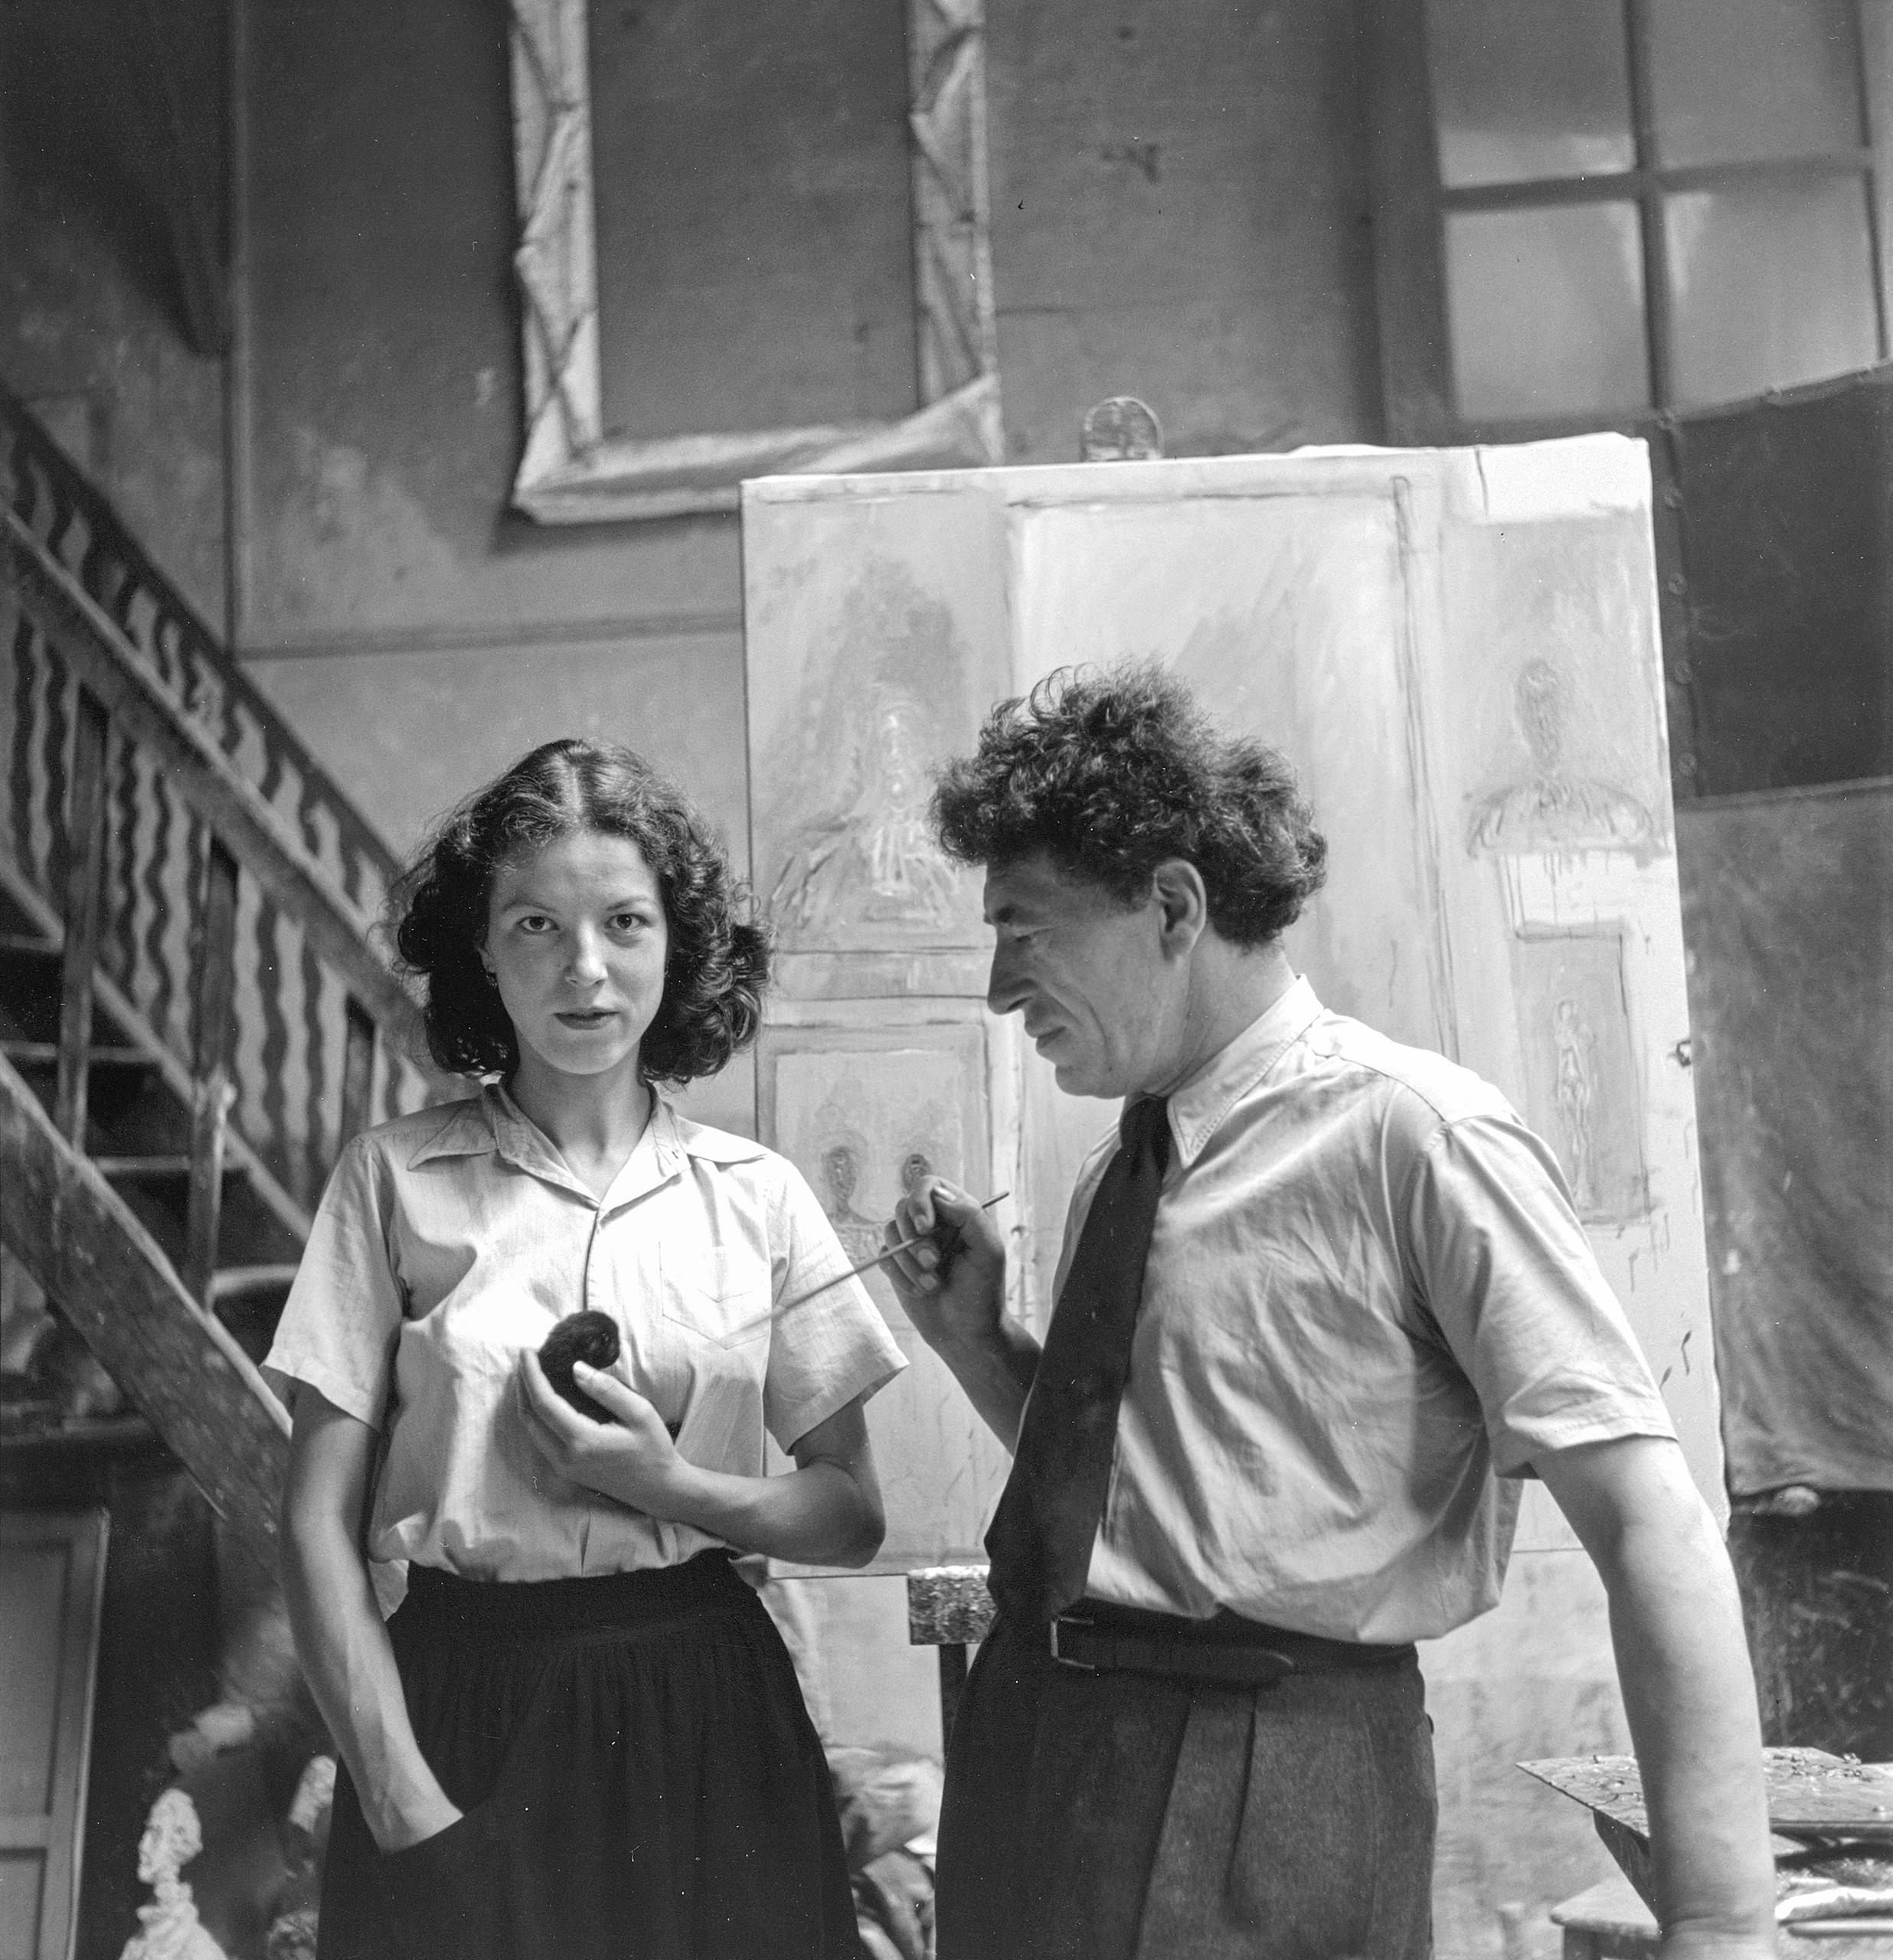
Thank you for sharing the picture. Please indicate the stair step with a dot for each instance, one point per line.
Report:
(163, 1164)
(29, 990)
(239, 1282)
(103, 1055)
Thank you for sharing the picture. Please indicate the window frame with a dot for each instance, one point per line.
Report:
(571, 470)
(1409, 206)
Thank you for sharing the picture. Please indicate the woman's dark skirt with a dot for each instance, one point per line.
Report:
(638, 1774)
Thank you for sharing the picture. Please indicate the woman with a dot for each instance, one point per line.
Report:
(579, 1734)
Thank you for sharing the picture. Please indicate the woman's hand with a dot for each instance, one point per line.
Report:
(340, 1639)
(826, 1511)
(631, 1458)
(421, 1818)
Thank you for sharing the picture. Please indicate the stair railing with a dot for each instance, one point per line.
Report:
(278, 1024)
(161, 1336)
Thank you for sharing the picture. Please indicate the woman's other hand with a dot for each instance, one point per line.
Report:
(631, 1458)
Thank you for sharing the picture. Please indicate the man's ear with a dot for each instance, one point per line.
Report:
(1182, 901)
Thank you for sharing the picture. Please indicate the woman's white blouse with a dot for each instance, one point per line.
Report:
(450, 1241)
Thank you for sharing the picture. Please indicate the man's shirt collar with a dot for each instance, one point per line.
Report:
(1198, 1109)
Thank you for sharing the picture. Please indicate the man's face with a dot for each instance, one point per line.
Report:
(1088, 973)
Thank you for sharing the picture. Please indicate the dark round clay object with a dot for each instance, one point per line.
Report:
(588, 1337)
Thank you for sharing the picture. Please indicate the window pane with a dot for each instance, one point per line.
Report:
(1547, 311)
(1754, 78)
(1772, 284)
(1529, 89)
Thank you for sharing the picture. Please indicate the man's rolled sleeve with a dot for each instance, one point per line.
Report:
(1509, 1275)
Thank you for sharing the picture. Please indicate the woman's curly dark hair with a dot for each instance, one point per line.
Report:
(717, 964)
(1109, 774)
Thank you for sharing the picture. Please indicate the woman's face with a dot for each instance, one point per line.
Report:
(576, 940)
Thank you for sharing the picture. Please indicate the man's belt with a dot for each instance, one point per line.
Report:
(1225, 1648)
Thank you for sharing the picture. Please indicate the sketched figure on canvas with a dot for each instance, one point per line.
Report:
(874, 861)
(841, 1172)
(1577, 1082)
(1553, 807)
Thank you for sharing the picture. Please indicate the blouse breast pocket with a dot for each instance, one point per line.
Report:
(723, 1295)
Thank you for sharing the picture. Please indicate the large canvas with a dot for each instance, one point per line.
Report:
(1456, 650)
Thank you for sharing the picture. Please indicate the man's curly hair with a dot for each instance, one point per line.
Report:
(717, 964)
(1109, 774)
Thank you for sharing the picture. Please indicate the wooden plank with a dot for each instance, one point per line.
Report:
(99, 1055)
(199, 771)
(1810, 1793)
(85, 845)
(58, 1833)
(1409, 276)
(197, 1386)
(215, 989)
(154, 101)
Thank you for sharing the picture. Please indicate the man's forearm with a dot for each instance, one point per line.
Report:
(1676, 1623)
(1683, 1664)
(996, 1372)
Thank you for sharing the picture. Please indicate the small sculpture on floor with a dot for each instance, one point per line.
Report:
(171, 1929)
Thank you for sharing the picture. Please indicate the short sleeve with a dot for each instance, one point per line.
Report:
(828, 1349)
(344, 1314)
(1504, 1266)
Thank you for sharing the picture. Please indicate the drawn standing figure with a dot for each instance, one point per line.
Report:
(1576, 1087)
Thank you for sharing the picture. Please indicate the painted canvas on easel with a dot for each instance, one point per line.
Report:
(877, 644)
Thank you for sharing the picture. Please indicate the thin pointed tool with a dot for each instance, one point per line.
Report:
(879, 1258)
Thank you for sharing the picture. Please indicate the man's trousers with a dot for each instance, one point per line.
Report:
(1132, 1816)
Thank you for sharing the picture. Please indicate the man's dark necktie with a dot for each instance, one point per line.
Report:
(1040, 1539)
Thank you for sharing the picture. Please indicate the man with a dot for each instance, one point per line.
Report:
(1322, 1302)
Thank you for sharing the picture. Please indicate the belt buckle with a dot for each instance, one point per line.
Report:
(1066, 1660)
(1286, 1665)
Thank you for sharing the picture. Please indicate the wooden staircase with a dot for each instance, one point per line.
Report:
(193, 1015)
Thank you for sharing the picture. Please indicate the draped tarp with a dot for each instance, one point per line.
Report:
(1787, 902)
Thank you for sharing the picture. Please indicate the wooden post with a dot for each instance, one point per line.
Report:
(213, 987)
(358, 1070)
(85, 867)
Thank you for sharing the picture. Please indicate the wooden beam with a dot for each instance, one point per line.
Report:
(85, 867)
(154, 98)
(215, 992)
(189, 1378)
(89, 639)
